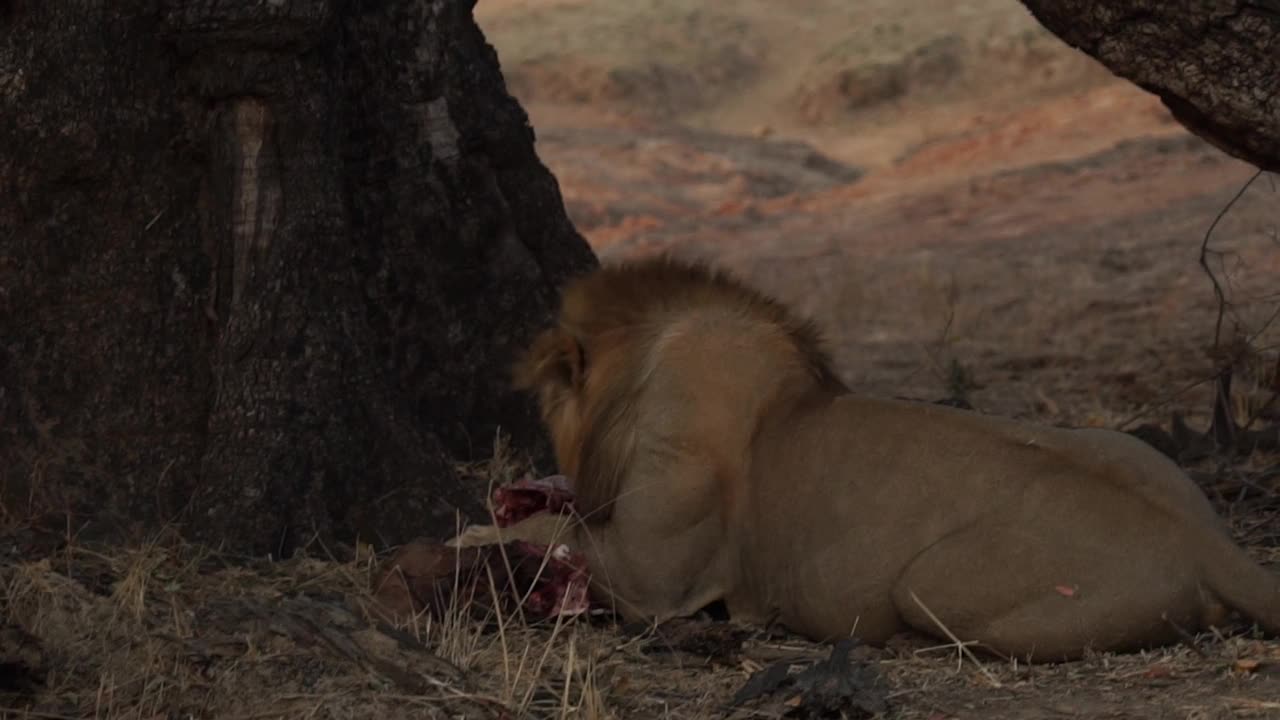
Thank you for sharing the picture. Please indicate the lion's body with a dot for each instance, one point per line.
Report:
(716, 457)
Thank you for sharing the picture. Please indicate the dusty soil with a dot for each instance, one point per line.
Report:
(966, 206)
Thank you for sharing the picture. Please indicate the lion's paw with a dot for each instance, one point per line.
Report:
(476, 536)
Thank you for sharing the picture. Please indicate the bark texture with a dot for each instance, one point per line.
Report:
(264, 264)
(1215, 65)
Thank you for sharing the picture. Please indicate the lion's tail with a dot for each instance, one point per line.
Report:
(1243, 584)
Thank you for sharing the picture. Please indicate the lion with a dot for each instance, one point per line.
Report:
(716, 456)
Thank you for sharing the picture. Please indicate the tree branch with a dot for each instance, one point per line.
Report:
(1214, 65)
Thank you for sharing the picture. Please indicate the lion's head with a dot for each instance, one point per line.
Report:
(553, 370)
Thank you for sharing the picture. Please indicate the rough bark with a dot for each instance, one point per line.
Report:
(1215, 65)
(264, 264)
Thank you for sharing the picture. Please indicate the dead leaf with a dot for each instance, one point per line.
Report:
(1246, 665)
(836, 685)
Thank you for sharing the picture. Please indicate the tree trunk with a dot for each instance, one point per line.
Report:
(1215, 65)
(264, 264)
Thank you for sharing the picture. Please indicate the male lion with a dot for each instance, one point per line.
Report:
(715, 456)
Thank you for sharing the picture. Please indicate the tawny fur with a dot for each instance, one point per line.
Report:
(716, 456)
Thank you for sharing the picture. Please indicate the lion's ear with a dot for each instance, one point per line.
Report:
(556, 356)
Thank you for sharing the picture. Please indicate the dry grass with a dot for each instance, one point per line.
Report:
(168, 629)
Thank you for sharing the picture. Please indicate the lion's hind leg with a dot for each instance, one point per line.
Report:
(1020, 598)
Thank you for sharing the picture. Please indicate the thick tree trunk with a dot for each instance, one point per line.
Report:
(1216, 65)
(264, 264)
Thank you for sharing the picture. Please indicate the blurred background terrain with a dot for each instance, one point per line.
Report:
(965, 204)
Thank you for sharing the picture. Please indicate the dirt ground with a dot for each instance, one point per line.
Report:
(965, 205)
